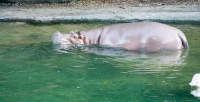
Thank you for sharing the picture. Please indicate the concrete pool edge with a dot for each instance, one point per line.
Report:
(127, 13)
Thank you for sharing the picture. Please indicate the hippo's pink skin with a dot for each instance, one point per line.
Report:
(139, 36)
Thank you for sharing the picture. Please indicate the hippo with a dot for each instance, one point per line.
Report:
(137, 36)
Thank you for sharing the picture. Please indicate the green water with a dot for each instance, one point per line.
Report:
(32, 69)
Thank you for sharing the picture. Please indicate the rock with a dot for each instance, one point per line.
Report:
(195, 80)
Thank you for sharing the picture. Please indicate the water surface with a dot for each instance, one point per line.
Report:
(33, 69)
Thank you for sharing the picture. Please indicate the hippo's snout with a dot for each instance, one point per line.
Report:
(56, 37)
(59, 38)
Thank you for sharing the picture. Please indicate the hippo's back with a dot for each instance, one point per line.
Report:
(144, 36)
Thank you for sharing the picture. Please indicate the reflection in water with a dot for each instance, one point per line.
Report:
(144, 60)
(195, 91)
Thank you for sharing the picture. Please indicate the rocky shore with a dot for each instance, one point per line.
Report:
(123, 12)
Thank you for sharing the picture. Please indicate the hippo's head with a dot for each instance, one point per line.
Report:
(72, 38)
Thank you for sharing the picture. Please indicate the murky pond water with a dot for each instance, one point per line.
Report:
(32, 69)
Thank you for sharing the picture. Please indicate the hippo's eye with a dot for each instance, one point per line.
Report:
(75, 37)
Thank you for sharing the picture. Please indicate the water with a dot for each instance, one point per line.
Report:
(32, 69)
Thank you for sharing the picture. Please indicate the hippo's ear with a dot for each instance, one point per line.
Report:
(72, 32)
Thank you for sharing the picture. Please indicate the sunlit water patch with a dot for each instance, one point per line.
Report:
(33, 69)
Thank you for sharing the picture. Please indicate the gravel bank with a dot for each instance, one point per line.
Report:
(119, 12)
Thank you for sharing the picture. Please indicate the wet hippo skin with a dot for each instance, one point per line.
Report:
(138, 36)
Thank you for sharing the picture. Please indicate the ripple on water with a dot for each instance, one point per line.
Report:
(34, 69)
(140, 62)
